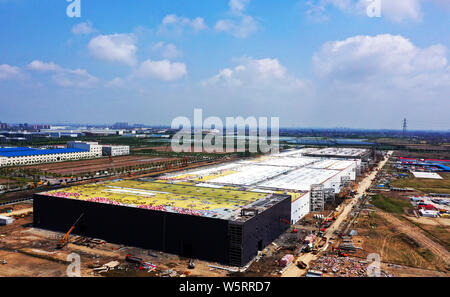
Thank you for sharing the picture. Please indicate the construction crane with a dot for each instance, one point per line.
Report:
(63, 241)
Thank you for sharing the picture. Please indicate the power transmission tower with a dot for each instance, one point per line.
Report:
(405, 128)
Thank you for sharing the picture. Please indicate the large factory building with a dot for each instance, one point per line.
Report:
(218, 225)
(293, 172)
(22, 156)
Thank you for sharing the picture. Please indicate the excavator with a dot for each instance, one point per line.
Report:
(63, 241)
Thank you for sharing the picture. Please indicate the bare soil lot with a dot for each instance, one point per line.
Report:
(31, 252)
(86, 166)
(400, 243)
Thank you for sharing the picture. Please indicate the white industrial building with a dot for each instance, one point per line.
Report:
(23, 156)
(341, 153)
(116, 150)
(93, 147)
(28, 156)
(291, 172)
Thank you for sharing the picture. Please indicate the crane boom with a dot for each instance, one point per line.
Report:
(63, 240)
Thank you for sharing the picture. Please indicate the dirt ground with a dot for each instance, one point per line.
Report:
(399, 243)
(32, 252)
(5, 181)
(85, 166)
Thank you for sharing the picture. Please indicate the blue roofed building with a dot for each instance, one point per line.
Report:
(23, 156)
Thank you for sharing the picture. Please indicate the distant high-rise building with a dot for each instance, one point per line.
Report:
(120, 126)
(3, 126)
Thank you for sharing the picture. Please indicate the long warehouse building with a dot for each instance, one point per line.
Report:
(22, 156)
(290, 172)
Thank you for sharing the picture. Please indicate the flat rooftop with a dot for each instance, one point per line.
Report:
(291, 161)
(235, 173)
(222, 203)
(286, 172)
(300, 179)
(332, 164)
(27, 151)
(339, 152)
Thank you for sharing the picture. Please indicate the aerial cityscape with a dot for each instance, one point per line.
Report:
(196, 141)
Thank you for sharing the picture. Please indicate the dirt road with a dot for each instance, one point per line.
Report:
(293, 270)
(362, 187)
(19, 212)
(416, 234)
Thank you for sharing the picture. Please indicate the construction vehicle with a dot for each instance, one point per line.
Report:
(132, 259)
(143, 265)
(302, 265)
(147, 266)
(63, 241)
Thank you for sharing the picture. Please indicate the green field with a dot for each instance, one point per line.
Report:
(425, 185)
(392, 205)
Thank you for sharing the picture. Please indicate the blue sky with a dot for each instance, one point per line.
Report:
(316, 63)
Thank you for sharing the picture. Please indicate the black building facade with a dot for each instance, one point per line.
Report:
(230, 242)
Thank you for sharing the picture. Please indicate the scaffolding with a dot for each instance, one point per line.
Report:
(317, 197)
(358, 170)
(364, 166)
(329, 195)
(345, 181)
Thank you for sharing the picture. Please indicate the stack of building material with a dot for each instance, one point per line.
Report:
(287, 259)
(310, 238)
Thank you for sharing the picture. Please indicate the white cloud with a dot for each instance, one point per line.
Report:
(240, 25)
(9, 72)
(42, 66)
(172, 22)
(114, 48)
(384, 66)
(242, 28)
(238, 6)
(365, 57)
(84, 28)
(65, 77)
(167, 51)
(162, 70)
(394, 10)
(401, 10)
(79, 78)
(377, 80)
(258, 74)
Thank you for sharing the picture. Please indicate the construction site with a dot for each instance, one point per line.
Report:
(289, 214)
